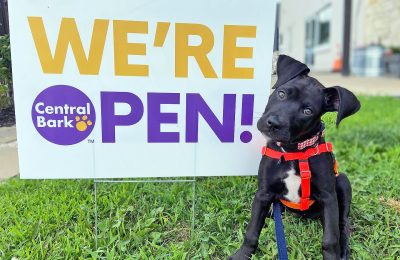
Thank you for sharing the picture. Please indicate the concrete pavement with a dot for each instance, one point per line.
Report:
(381, 86)
(359, 85)
(8, 153)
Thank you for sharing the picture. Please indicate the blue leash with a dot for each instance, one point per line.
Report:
(280, 232)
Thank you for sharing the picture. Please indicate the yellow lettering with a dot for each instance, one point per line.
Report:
(183, 50)
(232, 52)
(69, 35)
(122, 48)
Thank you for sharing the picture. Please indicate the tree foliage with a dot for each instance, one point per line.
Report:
(5, 72)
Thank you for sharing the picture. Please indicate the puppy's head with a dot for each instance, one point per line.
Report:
(295, 107)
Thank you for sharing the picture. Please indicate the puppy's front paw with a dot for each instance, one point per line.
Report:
(244, 253)
(345, 255)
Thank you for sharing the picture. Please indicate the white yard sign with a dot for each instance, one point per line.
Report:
(144, 88)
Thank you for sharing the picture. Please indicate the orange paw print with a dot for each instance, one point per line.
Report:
(82, 123)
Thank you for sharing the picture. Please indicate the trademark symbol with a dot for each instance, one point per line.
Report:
(90, 141)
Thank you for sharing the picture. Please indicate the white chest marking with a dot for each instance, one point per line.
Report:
(292, 182)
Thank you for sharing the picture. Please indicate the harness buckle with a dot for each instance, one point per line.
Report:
(316, 151)
(305, 174)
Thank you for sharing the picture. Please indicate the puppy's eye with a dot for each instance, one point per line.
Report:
(281, 94)
(307, 111)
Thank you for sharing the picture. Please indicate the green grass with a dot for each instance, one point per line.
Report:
(47, 219)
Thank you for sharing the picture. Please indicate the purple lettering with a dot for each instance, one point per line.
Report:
(196, 105)
(110, 120)
(156, 118)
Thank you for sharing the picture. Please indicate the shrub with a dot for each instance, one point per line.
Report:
(5, 73)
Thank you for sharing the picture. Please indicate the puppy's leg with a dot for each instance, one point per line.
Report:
(259, 210)
(330, 222)
(343, 190)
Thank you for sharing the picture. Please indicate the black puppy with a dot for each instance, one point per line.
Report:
(292, 123)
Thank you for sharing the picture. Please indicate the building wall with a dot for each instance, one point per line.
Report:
(357, 23)
(376, 22)
(293, 17)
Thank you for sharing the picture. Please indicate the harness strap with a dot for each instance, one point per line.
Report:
(305, 176)
(303, 155)
(304, 167)
(295, 205)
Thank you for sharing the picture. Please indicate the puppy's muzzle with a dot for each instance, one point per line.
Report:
(273, 123)
(269, 123)
(272, 127)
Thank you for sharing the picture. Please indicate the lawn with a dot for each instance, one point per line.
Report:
(46, 219)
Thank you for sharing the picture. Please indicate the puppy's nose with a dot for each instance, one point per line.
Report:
(272, 122)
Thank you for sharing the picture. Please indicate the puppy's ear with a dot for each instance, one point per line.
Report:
(341, 100)
(288, 68)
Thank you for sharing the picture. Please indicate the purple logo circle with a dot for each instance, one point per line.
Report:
(63, 115)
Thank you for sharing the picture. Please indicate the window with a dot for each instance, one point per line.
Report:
(324, 22)
(318, 28)
(310, 33)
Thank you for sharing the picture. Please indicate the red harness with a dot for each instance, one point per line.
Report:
(305, 173)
